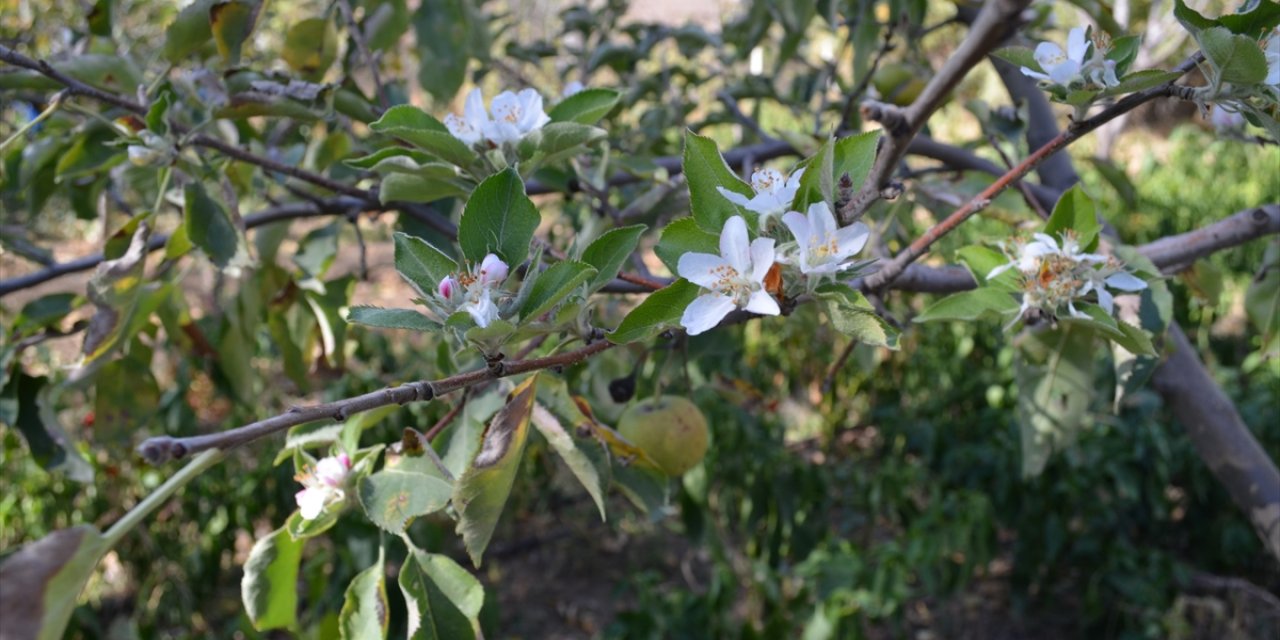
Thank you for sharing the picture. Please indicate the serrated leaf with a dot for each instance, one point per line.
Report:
(1256, 22)
(585, 107)
(420, 264)
(42, 580)
(608, 252)
(442, 599)
(661, 310)
(498, 218)
(391, 319)
(1238, 59)
(481, 492)
(1055, 386)
(364, 608)
(553, 285)
(559, 139)
(704, 170)
(1075, 211)
(392, 496)
(817, 184)
(269, 588)
(970, 305)
(401, 187)
(852, 315)
(682, 236)
(419, 128)
(855, 155)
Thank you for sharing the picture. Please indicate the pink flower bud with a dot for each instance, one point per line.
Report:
(448, 287)
(345, 460)
(492, 270)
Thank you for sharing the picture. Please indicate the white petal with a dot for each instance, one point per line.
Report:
(733, 196)
(705, 312)
(821, 223)
(492, 270)
(331, 471)
(1065, 73)
(311, 502)
(1049, 54)
(1071, 309)
(851, 239)
(798, 223)
(461, 129)
(701, 268)
(793, 182)
(532, 116)
(734, 245)
(1077, 45)
(1036, 74)
(1125, 281)
(1000, 269)
(761, 258)
(1106, 300)
(473, 109)
(483, 310)
(763, 303)
(767, 180)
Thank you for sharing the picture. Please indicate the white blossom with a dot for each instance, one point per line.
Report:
(1083, 62)
(773, 193)
(1272, 52)
(1098, 280)
(734, 279)
(322, 485)
(475, 292)
(514, 116)
(1057, 273)
(823, 246)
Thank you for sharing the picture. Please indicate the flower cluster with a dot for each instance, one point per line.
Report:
(735, 279)
(1271, 49)
(1058, 274)
(515, 115)
(474, 292)
(322, 485)
(1083, 63)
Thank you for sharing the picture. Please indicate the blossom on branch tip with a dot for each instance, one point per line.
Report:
(322, 485)
(824, 247)
(733, 280)
(773, 193)
(514, 116)
(474, 292)
(1083, 62)
(1057, 274)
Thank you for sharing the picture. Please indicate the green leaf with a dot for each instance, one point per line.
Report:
(372, 160)
(499, 218)
(89, 154)
(1237, 58)
(852, 315)
(585, 457)
(585, 107)
(364, 609)
(981, 261)
(681, 237)
(269, 588)
(422, 265)
(189, 31)
(310, 47)
(970, 305)
(391, 319)
(704, 170)
(1191, 19)
(553, 285)
(1262, 299)
(210, 226)
(1075, 210)
(558, 139)
(232, 22)
(661, 310)
(419, 128)
(1055, 386)
(442, 28)
(442, 599)
(817, 184)
(317, 250)
(401, 187)
(482, 491)
(1256, 22)
(608, 252)
(1019, 56)
(42, 580)
(1139, 80)
(392, 496)
(855, 155)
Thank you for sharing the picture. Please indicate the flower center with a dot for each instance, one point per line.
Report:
(509, 113)
(731, 283)
(822, 247)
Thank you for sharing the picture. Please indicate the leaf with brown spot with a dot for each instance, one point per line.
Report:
(41, 581)
(231, 23)
(482, 492)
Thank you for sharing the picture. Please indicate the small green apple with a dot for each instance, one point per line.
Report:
(670, 429)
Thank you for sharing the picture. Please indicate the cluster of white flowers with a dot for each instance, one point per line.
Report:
(474, 292)
(515, 115)
(1056, 275)
(1083, 63)
(323, 485)
(735, 279)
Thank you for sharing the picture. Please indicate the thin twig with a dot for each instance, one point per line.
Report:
(363, 48)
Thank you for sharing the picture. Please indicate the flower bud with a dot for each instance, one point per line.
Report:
(492, 270)
(448, 288)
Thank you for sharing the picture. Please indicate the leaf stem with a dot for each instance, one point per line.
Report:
(158, 497)
(48, 111)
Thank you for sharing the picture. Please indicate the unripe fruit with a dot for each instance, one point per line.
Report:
(669, 429)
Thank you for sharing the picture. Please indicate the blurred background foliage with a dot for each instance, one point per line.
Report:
(880, 499)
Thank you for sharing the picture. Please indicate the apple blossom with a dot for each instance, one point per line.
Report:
(823, 246)
(1083, 62)
(1272, 52)
(1056, 274)
(514, 117)
(474, 292)
(322, 485)
(773, 193)
(734, 279)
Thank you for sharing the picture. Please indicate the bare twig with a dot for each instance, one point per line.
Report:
(860, 90)
(363, 47)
